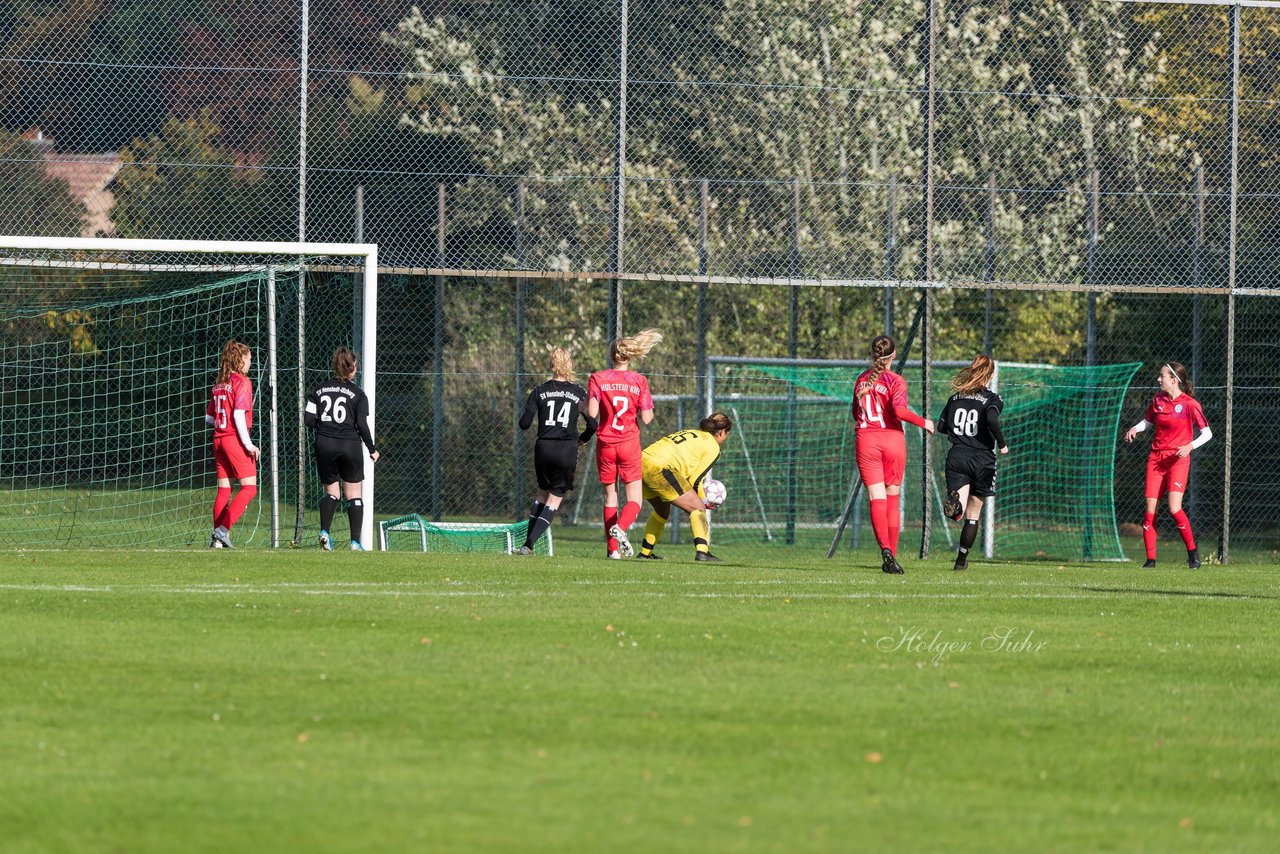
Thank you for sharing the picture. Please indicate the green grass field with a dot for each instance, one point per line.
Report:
(256, 701)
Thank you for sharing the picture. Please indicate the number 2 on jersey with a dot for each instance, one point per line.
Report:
(619, 407)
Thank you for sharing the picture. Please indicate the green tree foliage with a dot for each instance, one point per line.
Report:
(171, 180)
(829, 95)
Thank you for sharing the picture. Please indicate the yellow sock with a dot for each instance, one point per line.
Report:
(652, 531)
(701, 534)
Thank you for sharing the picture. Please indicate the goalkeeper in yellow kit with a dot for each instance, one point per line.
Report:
(673, 470)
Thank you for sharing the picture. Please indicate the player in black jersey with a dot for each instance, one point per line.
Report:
(971, 419)
(339, 412)
(556, 405)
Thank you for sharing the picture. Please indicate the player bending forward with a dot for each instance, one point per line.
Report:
(971, 420)
(674, 469)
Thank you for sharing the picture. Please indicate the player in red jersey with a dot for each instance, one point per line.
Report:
(616, 397)
(230, 411)
(880, 407)
(1176, 416)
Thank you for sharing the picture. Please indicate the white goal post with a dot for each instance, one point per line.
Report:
(212, 256)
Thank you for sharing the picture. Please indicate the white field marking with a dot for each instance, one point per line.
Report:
(285, 586)
(240, 590)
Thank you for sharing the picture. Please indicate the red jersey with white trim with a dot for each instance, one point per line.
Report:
(1174, 420)
(622, 394)
(877, 409)
(236, 393)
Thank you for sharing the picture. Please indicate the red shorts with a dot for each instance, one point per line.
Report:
(232, 460)
(620, 459)
(1167, 472)
(882, 456)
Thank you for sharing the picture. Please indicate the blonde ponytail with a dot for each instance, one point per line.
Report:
(634, 346)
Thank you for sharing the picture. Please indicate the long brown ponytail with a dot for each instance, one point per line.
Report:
(882, 350)
(975, 376)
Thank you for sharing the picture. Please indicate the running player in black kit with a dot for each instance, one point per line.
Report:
(339, 412)
(556, 404)
(971, 419)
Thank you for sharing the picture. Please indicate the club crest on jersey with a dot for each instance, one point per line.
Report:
(1177, 408)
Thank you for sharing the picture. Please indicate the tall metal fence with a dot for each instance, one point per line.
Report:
(1072, 183)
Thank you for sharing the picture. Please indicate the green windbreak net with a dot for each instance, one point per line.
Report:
(790, 462)
(102, 403)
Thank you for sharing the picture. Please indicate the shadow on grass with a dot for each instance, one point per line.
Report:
(1218, 594)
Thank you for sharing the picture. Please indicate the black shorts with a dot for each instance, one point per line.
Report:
(556, 463)
(339, 460)
(973, 468)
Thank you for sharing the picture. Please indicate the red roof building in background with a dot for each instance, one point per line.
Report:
(88, 180)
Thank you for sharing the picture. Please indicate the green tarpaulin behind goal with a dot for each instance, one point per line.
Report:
(1054, 490)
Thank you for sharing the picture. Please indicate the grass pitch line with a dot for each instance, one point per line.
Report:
(346, 590)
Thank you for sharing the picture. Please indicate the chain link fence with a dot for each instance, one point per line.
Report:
(1071, 183)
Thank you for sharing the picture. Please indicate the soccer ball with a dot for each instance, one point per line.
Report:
(715, 492)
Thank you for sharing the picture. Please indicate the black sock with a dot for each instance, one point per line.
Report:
(533, 521)
(355, 516)
(539, 525)
(328, 506)
(968, 534)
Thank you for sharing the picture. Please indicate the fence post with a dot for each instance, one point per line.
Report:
(303, 60)
(1090, 337)
(990, 262)
(437, 414)
(357, 290)
(1224, 547)
(674, 522)
(517, 443)
(926, 332)
(702, 319)
(1091, 274)
(274, 420)
(1197, 281)
(890, 250)
(793, 329)
(613, 322)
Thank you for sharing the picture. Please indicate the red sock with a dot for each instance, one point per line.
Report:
(220, 503)
(238, 504)
(1184, 528)
(628, 515)
(1149, 535)
(610, 519)
(894, 513)
(879, 522)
